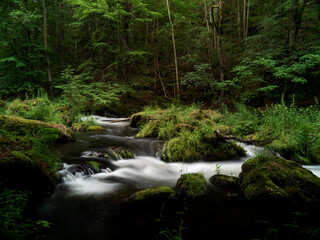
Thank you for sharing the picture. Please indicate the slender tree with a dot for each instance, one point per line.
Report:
(45, 37)
(174, 52)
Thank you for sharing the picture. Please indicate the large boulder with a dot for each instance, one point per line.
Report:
(19, 125)
(274, 178)
(26, 161)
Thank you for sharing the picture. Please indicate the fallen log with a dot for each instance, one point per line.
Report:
(120, 120)
(232, 137)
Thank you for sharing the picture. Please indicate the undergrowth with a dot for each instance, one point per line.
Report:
(14, 222)
(287, 129)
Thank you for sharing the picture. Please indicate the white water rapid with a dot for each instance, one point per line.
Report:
(144, 170)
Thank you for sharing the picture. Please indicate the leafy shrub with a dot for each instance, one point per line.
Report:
(13, 221)
(82, 92)
(242, 120)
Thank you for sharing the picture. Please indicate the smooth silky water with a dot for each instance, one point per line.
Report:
(96, 206)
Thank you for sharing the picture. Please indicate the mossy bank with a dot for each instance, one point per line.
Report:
(190, 133)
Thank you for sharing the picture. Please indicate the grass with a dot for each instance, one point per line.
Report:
(287, 129)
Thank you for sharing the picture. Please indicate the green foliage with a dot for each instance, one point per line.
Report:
(289, 130)
(80, 91)
(243, 120)
(190, 133)
(13, 221)
(199, 77)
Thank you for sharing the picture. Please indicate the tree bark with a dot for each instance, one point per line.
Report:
(211, 39)
(244, 18)
(295, 19)
(217, 20)
(247, 22)
(45, 36)
(177, 95)
(238, 19)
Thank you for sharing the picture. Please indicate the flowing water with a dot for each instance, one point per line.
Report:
(89, 204)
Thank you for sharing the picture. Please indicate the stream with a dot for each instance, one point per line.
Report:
(89, 205)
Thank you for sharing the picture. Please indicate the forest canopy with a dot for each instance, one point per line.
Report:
(249, 51)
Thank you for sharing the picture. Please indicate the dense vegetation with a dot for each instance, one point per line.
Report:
(255, 62)
(95, 53)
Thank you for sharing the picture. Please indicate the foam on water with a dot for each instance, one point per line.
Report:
(145, 170)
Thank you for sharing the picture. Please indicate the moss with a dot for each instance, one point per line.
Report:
(21, 156)
(95, 128)
(189, 132)
(95, 165)
(3, 104)
(191, 185)
(117, 153)
(19, 125)
(264, 178)
(224, 181)
(189, 149)
(152, 193)
(78, 127)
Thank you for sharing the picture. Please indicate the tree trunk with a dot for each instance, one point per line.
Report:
(238, 19)
(217, 20)
(295, 19)
(45, 36)
(177, 95)
(244, 18)
(211, 39)
(247, 22)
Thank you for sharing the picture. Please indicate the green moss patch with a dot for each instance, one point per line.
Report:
(159, 192)
(117, 153)
(189, 132)
(19, 125)
(95, 128)
(265, 178)
(191, 185)
(224, 181)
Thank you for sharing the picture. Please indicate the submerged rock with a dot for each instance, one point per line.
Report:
(159, 192)
(274, 178)
(191, 185)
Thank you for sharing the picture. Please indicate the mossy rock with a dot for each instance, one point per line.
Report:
(274, 178)
(19, 125)
(117, 153)
(19, 171)
(222, 150)
(95, 128)
(177, 150)
(139, 119)
(191, 185)
(157, 192)
(226, 182)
